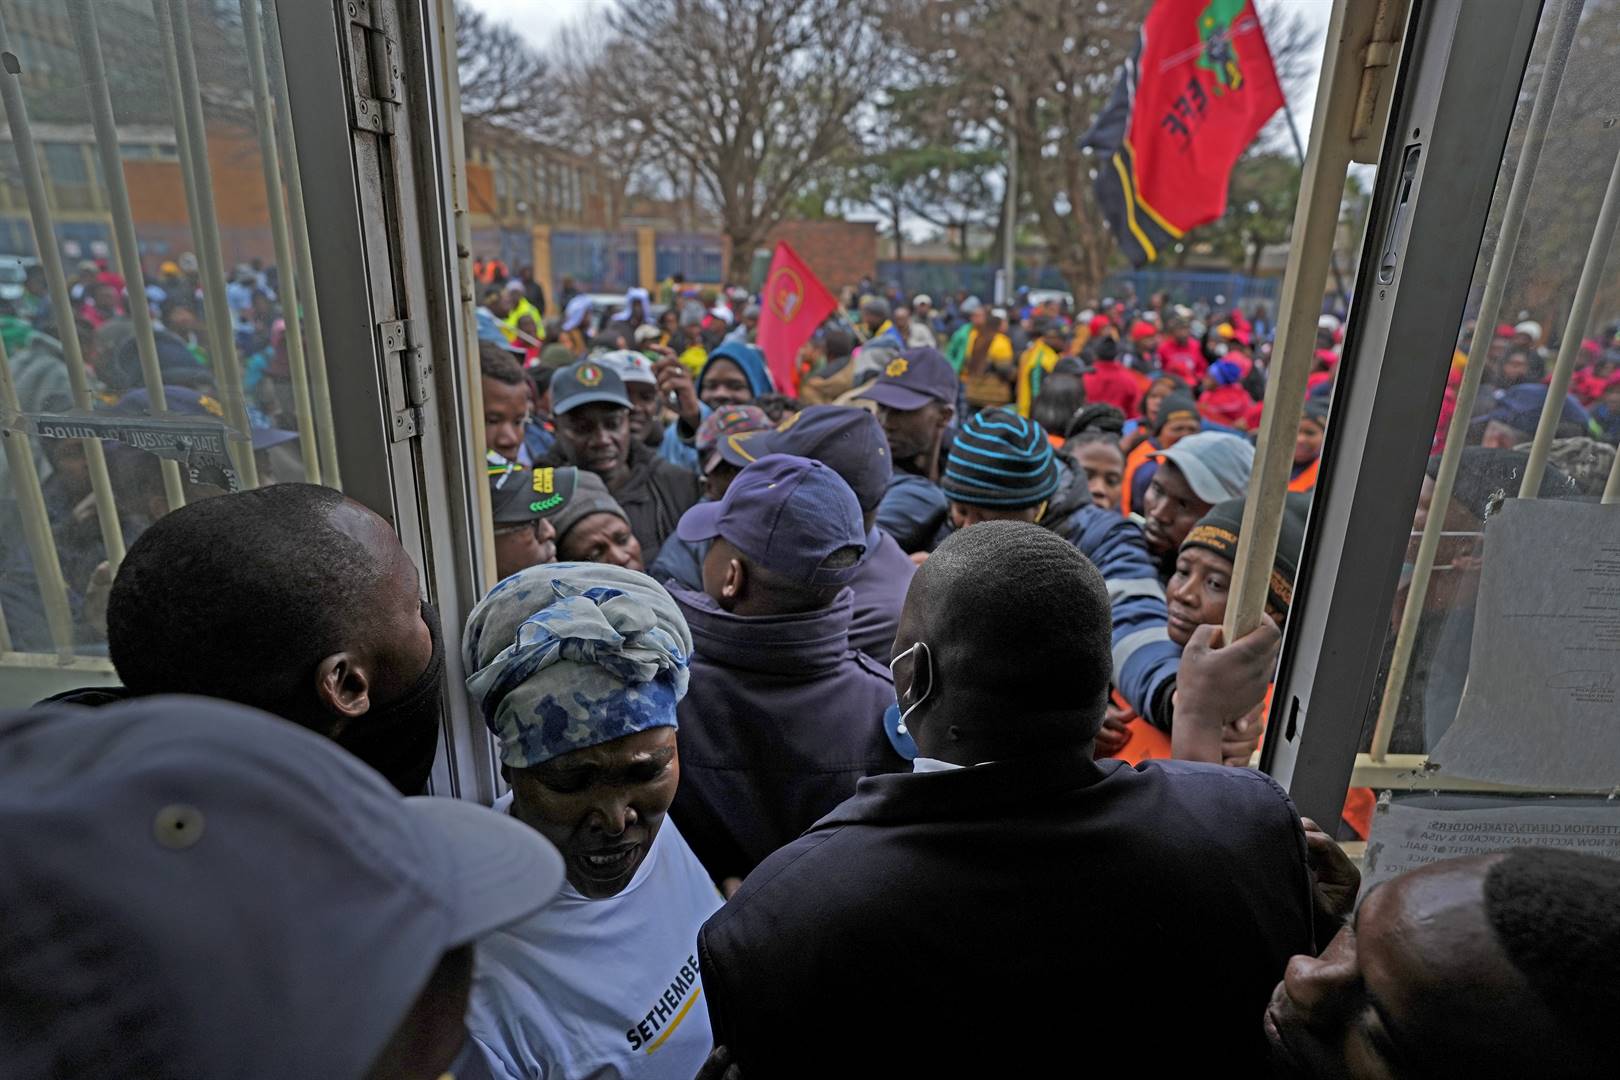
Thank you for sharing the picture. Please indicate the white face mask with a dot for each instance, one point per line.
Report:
(923, 657)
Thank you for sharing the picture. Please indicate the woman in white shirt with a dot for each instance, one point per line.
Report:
(577, 668)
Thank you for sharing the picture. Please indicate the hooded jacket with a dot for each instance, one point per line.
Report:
(782, 720)
(749, 359)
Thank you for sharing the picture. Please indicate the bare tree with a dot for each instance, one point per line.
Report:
(505, 82)
(754, 96)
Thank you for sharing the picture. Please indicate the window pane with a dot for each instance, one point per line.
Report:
(1521, 345)
(231, 352)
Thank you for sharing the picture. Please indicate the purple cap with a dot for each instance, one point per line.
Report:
(788, 514)
(913, 379)
(848, 440)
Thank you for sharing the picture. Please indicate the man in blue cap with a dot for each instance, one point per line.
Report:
(916, 400)
(195, 888)
(851, 443)
(592, 410)
(1517, 413)
(783, 716)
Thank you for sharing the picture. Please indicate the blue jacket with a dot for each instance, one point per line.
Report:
(879, 586)
(781, 721)
(1037, 891)
(1145, 659)
(677, 450)
(747, 357)
(912, 511)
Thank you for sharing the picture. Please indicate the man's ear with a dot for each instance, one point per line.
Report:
(734, 584)
(343, 685)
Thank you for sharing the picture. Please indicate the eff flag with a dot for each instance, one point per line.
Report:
(1192, 96)
(793, 303)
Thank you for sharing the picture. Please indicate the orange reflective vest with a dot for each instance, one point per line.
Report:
(1133, 461)
(1306, 480)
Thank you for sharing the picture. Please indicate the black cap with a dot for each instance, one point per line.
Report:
(584, 383)
(517, 495)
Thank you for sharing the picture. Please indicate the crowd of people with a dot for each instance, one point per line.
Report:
(810, 701)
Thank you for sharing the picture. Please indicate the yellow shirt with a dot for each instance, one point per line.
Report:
(988, 389)
(1037, 360)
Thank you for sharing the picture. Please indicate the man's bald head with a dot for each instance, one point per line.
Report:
(1016, 618)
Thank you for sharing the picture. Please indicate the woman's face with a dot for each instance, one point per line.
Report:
(1196, 595)
(725, 384)
(1150, 404)
(1515, 368)
(601, 806)
(604, 538)
(1308, 443)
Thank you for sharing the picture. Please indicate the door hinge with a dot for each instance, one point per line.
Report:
(371, 48)
(408, 373)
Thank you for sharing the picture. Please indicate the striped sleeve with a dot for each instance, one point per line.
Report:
(1145, 659)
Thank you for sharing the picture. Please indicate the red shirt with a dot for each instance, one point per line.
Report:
(1227, 405)
(1185, 361)
(1110, 383)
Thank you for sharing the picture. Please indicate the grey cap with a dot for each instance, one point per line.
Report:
(587, 382)
(194, 888)
(1216, 465)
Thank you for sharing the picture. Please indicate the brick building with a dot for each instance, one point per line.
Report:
(840, 252)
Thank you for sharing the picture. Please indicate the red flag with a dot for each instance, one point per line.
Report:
(1190, 99)
(793, 303)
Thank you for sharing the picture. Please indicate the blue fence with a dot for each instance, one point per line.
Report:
(696, 256)
(1184, 286)
(597, 261)
(514, 247)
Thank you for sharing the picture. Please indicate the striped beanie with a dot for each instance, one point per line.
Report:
(1000, 460)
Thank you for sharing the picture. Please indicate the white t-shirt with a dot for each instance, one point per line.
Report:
(601, 989)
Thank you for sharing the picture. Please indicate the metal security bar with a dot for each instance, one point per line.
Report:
(83, 18)
(36, 521)
(50, 258)
(204, 225)
(269, 157)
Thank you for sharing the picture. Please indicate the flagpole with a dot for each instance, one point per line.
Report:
(1299, 153)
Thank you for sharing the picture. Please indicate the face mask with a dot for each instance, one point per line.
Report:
(401, 739)
(924, 658)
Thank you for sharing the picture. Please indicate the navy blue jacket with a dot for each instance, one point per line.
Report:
(1018, 918)
(781, 720)
(912, 511)
(880, 586)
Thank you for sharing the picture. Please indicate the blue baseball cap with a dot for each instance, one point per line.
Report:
(848, 440)
(1519, 407)
(915, 378)
(185, 401)
(171, 859)
(789, 515)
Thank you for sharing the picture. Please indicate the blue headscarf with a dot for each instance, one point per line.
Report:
(564, 656)
(747, 357)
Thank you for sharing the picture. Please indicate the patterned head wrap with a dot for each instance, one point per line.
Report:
(569, 655)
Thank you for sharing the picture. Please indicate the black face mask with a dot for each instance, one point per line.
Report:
(401, 739)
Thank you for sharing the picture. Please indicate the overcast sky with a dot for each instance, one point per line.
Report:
(539, 21)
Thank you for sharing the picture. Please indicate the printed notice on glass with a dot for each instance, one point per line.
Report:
(1542, 704)
(1411, 833)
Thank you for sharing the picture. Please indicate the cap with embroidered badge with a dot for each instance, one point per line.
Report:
(788, 514)
(915, 378)
(587, 382)
(518, 495)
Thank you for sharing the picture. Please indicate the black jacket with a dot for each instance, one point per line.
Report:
(1039, 917)
(654, 496)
